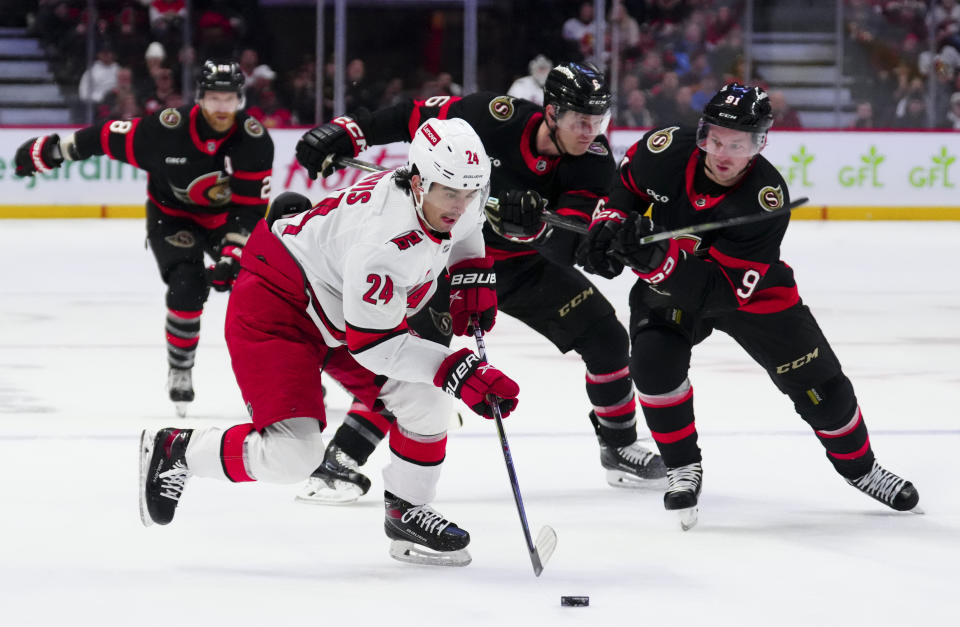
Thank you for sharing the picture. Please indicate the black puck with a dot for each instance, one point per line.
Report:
(574, 601)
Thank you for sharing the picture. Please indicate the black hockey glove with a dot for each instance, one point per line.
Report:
(592, 252)
(285, 205)
(341, 137)
(517, 215)
(651, 262)
(222, 274)
(38, 154)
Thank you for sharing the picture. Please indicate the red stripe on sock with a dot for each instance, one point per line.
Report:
(860, 452)
(674, 436)
(180, 342)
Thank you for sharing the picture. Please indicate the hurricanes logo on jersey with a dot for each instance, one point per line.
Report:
(661, 140)
(208, 190)
(771, 198)
(501, 108)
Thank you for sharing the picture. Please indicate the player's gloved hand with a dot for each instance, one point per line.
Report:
(285, 205)
(221, 275)
(38, 154)
(341, 137)
(477, 383)
(473, 290)
(592, 252)
(516, 215)
(651, 262)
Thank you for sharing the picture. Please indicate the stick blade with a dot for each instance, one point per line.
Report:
(545, 545)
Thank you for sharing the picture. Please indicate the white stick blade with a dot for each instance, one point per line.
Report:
(546, 543)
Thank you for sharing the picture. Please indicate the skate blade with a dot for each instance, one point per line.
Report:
(917, 510)
(688, 517)
(181, 408)
(621, 479)
(406, 551)
(146, 453)
(546, 543)
(317, 492)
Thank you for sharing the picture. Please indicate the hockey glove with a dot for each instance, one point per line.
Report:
(38, 154)
(223, 274)
(341, 137)
(592, 253)
(473, 290)
(477, 383)
(517, 215)
(285, 205)
(652, 262)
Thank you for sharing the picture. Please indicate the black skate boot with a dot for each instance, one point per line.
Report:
(337, 481)
(630, 466)
(422, 536)
(180, 386)
(888, 488)
(682, 491)
(163, 473)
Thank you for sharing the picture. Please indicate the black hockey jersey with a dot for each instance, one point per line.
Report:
(734, 268)
(507, 127)
(194, 173)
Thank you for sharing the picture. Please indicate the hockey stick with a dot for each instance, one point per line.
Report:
(547, 538)
(568, 224)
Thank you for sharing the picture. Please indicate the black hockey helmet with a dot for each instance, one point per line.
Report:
(580, 87)
(220, 76)
(740, 108)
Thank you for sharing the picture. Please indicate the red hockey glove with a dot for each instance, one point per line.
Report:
(473, 290)
(223, 274)
(341, 137)
(38, 154)
(477, 383)
(592, 253)
(654, 262)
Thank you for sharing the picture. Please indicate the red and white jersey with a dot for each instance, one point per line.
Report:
(370, 262)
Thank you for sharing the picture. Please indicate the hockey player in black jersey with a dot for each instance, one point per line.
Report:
(731, 279)
(209, 166)
(554, 156)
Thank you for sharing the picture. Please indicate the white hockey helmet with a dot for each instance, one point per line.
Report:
(450, 153)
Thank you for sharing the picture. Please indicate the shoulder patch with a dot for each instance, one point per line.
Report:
(170, 118)
(771, 198)
(408, 239)
(501, 108)
(661, 140)
(597, 148)
(253, 128)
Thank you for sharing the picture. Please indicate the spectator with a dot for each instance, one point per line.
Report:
(636, 113)
(164, 94)
(578, 33)
(392, 93)
(663, 99)
(953, 114)
(912, 111)
(123, 87)
(302, 92)
(166, 21)
(100, 77)
(359, 92)
(249, 60)
(683, 111)
(530, 87)
(783, 115)
(126, 107)
(261, 79)
(269, 111)
(864, 115)
(446, 86)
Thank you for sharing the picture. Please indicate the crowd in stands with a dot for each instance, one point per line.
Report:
(673, 55)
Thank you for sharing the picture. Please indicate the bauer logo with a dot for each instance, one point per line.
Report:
(430, 134)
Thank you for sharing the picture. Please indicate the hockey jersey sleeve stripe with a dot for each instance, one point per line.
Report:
(581, 192)
(247, 200)
(128, 144)
(252, 176)
(105, 139)
(574, 213)
(359, 340)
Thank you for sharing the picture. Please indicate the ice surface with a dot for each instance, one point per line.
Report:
(781, 540)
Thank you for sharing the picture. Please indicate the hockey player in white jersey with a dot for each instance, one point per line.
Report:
(329, 290)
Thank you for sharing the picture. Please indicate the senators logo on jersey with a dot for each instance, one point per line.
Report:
(771, 198)
(207, 190)
(661, 140)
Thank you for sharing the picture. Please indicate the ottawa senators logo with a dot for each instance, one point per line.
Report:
(661, 140)
(253, 128)
(170, 118)
(596, 148)
(501, 108)
(181, 239)
(771, 198)
(208, 190)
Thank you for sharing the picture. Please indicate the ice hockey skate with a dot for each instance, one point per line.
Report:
(421, 535)
(163, 473)
(886, 487)
(682, 491)
(180, 387)
(337, 481)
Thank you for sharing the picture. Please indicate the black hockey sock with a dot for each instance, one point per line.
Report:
(670, 420)
(614, 406)
(362, 430)
(183, 334)
(848, 447)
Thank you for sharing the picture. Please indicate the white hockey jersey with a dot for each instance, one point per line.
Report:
(370, 262)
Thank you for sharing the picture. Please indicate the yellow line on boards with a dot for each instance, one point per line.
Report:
(72, 211)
